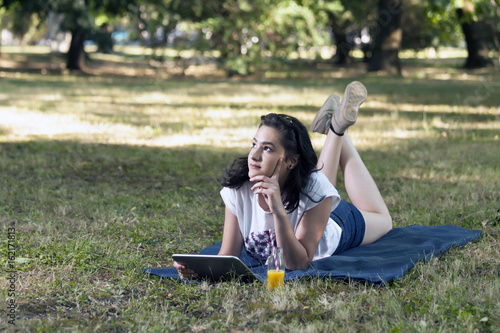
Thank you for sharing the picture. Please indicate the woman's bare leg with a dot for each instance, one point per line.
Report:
(329, 159)
(364, 193)
(360, 186)
(333, 119)
(340, 151)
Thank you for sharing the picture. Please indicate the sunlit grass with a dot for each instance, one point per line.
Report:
(36, 49)
(156, 113)
(432, 53)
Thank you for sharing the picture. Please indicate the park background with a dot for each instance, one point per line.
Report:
(117, 118)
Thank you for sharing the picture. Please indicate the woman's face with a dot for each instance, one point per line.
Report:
(265, 153)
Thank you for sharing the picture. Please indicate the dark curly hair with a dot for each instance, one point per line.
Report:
(296, 141)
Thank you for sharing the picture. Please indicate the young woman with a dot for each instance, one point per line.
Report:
(282, 188)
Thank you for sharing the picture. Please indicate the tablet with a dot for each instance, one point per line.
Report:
(216, 267)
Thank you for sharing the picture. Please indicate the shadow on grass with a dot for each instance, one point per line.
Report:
(45, 175)
(42, 175)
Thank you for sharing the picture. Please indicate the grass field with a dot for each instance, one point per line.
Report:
(101, 176)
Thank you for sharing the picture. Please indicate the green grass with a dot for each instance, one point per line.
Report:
(104, 175)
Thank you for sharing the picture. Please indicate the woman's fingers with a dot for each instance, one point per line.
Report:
(259, 178)
(262, 187)
(188, 274)
(277, 169)
(184, 272)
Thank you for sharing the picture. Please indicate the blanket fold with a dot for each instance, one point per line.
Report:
(390, 258)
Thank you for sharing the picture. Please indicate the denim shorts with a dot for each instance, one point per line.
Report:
(351, 222)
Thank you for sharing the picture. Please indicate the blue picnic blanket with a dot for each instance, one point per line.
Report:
(390, 258)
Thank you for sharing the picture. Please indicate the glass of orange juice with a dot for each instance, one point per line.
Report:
(275, 269)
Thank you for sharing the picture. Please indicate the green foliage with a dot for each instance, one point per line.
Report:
(250, 34)
(442, 14)
(355, 15)
(78, 15)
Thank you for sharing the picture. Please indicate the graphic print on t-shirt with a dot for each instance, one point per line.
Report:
(258, 245)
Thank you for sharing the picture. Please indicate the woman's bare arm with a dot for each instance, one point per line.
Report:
(299, 246)
(232, 240)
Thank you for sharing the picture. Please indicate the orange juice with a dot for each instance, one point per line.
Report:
(275, 279)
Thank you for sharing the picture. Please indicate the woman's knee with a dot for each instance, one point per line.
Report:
(388, 222)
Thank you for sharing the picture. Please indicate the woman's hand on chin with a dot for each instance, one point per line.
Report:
(268, 190)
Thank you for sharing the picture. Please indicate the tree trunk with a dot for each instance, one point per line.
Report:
(343, 53)
(142, 26)
(344, 48)
(477, 52)
(76, 52)
(388, 37)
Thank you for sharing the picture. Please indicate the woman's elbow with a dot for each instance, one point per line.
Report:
(304, 264)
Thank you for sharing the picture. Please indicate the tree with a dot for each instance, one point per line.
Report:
(348, 21)
(248, 34)
(79, 19)
(419, 32)
(388, 38)
(477, 52)
(340, 35)
(15, 20)
(470, 15)
(78, 22)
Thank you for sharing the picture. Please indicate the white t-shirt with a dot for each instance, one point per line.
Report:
(255, 223)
